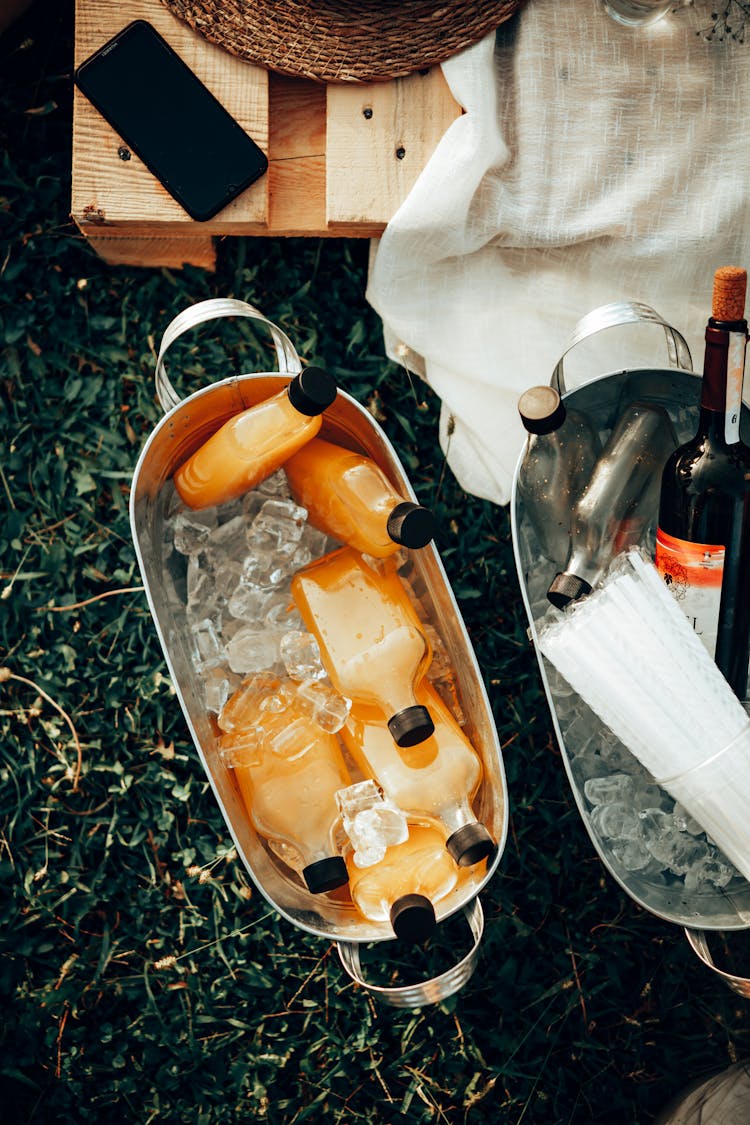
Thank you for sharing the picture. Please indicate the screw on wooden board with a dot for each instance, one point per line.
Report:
(367, 112)
(123, 152)
(400, 152)
(93, 214)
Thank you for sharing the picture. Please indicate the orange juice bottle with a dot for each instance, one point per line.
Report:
(405, 885)
(288, 771)
(255, 442)
(437, 778)
(371, 641)
(349, 497)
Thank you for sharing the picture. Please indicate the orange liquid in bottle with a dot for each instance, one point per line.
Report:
(437, 778)
(349, 497)
(254, 443)
(288, 771)
(405, 885)
(370, 638)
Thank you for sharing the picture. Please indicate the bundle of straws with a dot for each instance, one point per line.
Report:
(630, 653)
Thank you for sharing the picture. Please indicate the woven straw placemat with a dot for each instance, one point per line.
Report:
(344, 40)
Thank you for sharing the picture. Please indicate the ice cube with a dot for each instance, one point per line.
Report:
(635, 857)
(320, 700)
(207, 649)
(240, 749)
(301, 656)
(372, 821)
(360, 795)
(615, 821)
(292, 740)
(275, 485)
(253, 650)
(281, 613)
(684, 821)
(287, 565)
(201, 590)
(280, 520)
(192, 529)
(587, 764)
(218, 685)
(675, 850)
(261, 558)
(605, 790)
(226, 540)
(648, 795)
(247, 603)
(242, 709)
(711, 870)
(278, 701)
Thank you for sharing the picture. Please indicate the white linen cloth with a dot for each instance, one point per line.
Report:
(593, 163)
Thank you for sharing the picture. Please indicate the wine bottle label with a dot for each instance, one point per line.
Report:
(693, 573)
(735, 375)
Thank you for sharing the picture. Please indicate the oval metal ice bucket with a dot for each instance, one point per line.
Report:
(185, 426)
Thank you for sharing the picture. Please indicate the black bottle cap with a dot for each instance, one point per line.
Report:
(470, 844)
(541, 409)
(567, 588)
(412, 918)
(312, 391)
(411, 726)
(411, 525)
(325, 874)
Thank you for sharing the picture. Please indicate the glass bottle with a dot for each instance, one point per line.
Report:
(288, 771)
(559, 458)
(255, 442)
(349, 497)
(703, 535)
(619, 504)
(371, 640)
(437, 778)
(404, 887)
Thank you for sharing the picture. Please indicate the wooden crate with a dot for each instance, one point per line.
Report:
(341, 158)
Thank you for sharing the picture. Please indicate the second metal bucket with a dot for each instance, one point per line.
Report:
(677, 389)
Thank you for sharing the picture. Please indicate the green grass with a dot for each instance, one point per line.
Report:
(142, 976)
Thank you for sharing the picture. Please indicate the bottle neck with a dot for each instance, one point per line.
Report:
(721, 389)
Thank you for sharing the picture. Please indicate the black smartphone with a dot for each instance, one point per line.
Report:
(165, 114)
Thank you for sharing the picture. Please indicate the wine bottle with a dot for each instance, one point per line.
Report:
(703, 534)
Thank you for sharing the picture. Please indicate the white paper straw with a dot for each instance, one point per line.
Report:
(630, 653)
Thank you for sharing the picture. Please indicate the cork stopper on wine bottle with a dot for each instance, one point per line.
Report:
(730, 285)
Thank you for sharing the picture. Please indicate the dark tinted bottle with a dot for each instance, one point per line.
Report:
(703, 535)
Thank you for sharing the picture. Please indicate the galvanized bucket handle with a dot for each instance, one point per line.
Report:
(214, 309)
(613, 316)
(698, 942)
(430, 991)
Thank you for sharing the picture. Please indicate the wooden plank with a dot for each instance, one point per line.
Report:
(124, 191)
(296, 149)
(297, 172)
(172, 251)
(379, 138)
